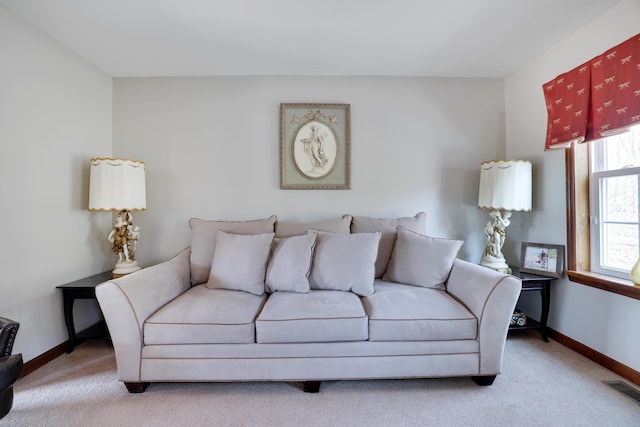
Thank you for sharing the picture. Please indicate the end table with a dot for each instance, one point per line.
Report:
(82, 289)
(534, 282)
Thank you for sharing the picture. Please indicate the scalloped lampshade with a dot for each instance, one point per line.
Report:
(117, 184)
(505, 185)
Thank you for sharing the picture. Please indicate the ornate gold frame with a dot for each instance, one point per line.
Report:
(315, 146)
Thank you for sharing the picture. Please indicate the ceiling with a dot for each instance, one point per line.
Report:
(438, 38)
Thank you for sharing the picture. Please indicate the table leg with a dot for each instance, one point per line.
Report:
(546, 299)
(68, 320)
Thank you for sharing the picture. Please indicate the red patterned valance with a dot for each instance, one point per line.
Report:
(567, 98)
(596, 99)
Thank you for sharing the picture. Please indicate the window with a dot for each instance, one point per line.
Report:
(614, 212)
(577, 161)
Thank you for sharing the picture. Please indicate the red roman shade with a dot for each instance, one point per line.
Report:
(567, 98)
(615, 88)
(597, 99)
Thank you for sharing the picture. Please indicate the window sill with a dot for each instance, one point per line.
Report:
(606, 283)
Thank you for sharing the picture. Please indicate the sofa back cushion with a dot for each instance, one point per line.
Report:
(388, 228)
(203, 241)
(289, 228)
(421, 260)
(345, 262)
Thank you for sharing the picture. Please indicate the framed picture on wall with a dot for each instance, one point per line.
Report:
(315, 146)
(542, 259)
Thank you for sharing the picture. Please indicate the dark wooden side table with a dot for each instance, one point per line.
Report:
(82, 289)
(534, 282)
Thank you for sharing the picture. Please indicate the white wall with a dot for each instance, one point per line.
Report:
(598, 319)
(55, 114)
(211, 147)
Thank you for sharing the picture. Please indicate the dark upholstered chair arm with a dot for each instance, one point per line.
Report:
(10, 366)
(8, 331)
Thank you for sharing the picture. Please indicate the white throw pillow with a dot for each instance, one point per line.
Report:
(290, 263)
(203, 241)
(421, 260)
(240, 262)
(345, 262)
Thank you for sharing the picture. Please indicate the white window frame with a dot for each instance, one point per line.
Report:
(596, 220)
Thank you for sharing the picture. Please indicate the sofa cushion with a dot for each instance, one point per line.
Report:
(409, 313)
(290, 263)
(345, 262)
(388, 227)
(290, 228)
(319, 316)
(240, 262)
(203, 241)
(421, 260)
(205, 316)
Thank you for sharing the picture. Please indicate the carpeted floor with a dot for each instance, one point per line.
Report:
(542, 384)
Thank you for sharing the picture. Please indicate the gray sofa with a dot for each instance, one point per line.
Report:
(347, 298)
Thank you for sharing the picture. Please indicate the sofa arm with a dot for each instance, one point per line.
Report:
(491, 296)
(128, 301)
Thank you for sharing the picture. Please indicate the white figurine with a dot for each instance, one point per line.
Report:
(124, 238)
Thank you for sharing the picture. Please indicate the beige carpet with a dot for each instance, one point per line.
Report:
(542, 384)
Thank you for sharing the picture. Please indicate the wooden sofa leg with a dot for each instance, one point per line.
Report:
(311, 386)
(484, 380)
(136, 387)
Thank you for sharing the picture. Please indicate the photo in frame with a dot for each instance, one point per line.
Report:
(542, 259)
(315, 146)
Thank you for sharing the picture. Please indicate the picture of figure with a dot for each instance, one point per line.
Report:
(540, 258)
(315, 150)
(314, 147)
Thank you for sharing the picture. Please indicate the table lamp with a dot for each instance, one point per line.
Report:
(118, 185)
(505, 186)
